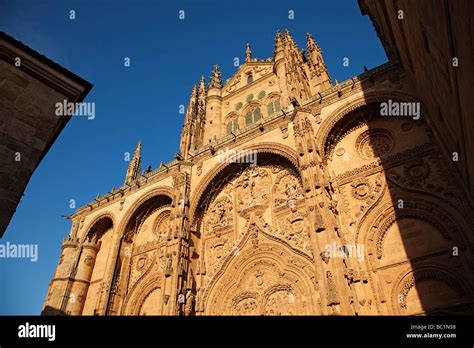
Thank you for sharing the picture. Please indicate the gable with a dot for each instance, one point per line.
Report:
(239, 79)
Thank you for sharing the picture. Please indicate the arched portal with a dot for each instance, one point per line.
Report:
(139, 262)
(96, 245)
(250, 233)
(398, 203)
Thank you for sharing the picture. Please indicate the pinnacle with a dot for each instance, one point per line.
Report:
(216, 81)
(202, 85)
(248, 53)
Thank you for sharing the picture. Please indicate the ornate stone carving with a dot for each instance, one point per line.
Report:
(262, 70)
(220, 215)
(411, 209)
(340, 151)
(416, 170)
(252, 189)
(406, 126)
(233, 84)
(374, 143)
(169, 266)
(245, 304)
(332, 292)
(384, 163)
(189, 306)
(422, 274)
(288, 189)
(294, 231)
(325, 257)
(162, 226)
(361, 188)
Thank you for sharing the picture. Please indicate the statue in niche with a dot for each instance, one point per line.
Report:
(252, 188)
(162, 228)
(288, 189)
(189, 307)
(220, 214)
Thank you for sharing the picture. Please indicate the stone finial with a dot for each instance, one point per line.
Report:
(278, 47)
(248, 53)
(202, 86)
(216, 80)
(311, 45)
(194, 91)
(138, 149)
(287, 36)
(134, 167)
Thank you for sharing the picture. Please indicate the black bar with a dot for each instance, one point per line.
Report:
(161, 331)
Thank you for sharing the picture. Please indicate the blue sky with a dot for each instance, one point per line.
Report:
(168, 55)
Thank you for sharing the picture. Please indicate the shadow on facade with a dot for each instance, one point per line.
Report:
(48, 310)
(402, 204)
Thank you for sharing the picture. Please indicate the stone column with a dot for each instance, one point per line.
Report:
(323, 217)
(113, 254)
(83, 276)
(57, 297)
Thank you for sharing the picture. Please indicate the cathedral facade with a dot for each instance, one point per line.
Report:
(291, 195)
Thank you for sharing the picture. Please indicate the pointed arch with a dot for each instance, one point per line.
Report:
(409, 279)
(283, 151)
(102, 222)
(286, 271)
(333, 121)
(162, 195)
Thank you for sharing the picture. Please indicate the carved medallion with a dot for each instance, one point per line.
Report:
(361, 188)
(406, 126)
(287, 189)
(141, 263)
(340, 151)
(374, 143)
(416, 170)
(89, 261)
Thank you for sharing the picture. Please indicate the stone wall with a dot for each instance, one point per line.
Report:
(30, 86)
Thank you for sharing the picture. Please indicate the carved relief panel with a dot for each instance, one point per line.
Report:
(397, 205)
(273, 195)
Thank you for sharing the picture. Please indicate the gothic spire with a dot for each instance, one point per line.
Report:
(202, 86)
(191, 105)
(135, 165)
(248, 53)
(311, 45)
(278, 47)
(188, 121)
(319, 75)
(194, 92)
(314, 56)
(201, 101)
(138, 150)
(216, 80)
(288, 38)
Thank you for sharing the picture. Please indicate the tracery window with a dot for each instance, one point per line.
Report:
(273, 107)
(252, 116)
(249, 79)
(232, 125)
